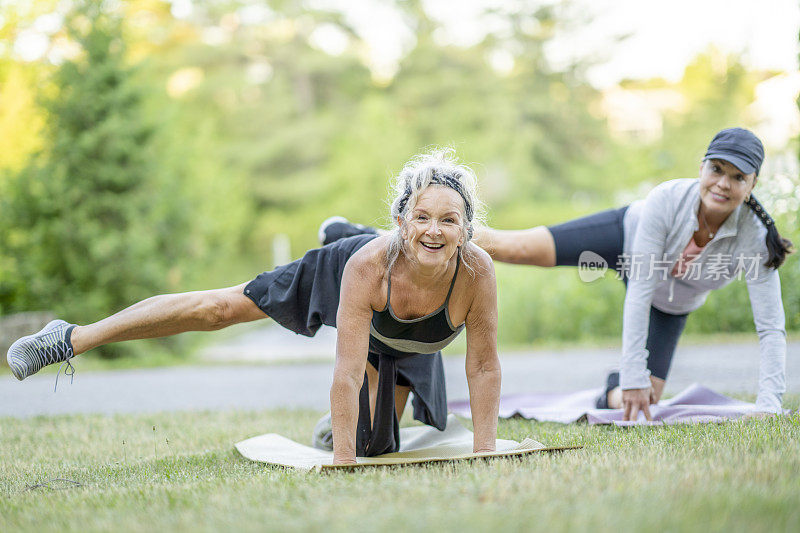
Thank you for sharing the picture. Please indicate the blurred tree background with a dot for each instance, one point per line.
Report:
(145, 153)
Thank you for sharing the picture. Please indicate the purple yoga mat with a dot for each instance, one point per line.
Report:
(696, 404)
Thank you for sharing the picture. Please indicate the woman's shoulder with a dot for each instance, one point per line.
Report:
(370, 259)
(479, 267)
(675, 188)
(669, 199)
(477, 255)
(749, 219)
(751, 231)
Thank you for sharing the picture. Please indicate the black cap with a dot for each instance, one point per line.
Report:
(739, 147)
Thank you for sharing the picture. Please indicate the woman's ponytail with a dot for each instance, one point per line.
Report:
(777, 246)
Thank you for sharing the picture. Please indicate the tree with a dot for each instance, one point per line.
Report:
(93, 225)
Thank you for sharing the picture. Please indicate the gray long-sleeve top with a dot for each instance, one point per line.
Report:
(656, 231)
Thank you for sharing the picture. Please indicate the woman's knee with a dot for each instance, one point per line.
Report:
(542, 247)
(214, 311)
(221, 308)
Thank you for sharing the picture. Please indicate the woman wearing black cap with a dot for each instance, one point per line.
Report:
(686, 238)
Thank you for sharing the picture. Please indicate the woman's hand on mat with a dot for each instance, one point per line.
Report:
(635, 400)
(344, 461)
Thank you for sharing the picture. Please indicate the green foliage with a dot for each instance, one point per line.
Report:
(92, 223)
(553, 304)
(321, 135)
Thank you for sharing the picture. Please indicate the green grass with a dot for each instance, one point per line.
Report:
(185, 475)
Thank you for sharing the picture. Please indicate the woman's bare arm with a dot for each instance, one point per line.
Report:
(482, 363)
(352, 344)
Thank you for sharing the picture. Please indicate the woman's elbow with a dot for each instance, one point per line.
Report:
(771, 333)
(484, 368)
(344, 383)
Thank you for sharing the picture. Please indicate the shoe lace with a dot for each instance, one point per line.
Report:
(69, 371)
(57, 351)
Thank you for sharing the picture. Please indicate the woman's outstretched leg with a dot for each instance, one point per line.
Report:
(534, 246)
(159, 316)
(169, 314)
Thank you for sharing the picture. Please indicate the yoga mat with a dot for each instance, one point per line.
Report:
(419, 444)
(695, 404)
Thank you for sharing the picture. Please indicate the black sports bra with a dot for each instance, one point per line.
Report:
(427, 334)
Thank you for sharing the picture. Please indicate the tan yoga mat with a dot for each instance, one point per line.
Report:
(419, 444)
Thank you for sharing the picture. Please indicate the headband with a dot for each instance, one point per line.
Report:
(440, 179)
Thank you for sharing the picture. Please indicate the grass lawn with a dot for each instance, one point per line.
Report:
(185, 475)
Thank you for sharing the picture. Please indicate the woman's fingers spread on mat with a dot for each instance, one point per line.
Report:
(627, 406)
(636, 407)
(635, 400)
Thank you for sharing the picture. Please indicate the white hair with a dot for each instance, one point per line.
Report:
(437, 167)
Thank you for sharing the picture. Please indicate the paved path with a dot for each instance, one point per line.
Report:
(726, 368)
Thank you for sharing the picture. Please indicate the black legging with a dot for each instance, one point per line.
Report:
(603, 234)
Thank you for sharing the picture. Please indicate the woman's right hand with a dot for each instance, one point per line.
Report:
(635, 400)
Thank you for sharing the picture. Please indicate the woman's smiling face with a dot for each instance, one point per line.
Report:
(434, 228)
(723, 187)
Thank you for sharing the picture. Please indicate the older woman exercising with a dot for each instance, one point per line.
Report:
(395, 299)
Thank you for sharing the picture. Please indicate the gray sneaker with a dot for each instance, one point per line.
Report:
(335, 228)
(51, 345)
(322, 438)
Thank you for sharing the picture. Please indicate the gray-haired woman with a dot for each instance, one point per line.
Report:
(395, 299)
